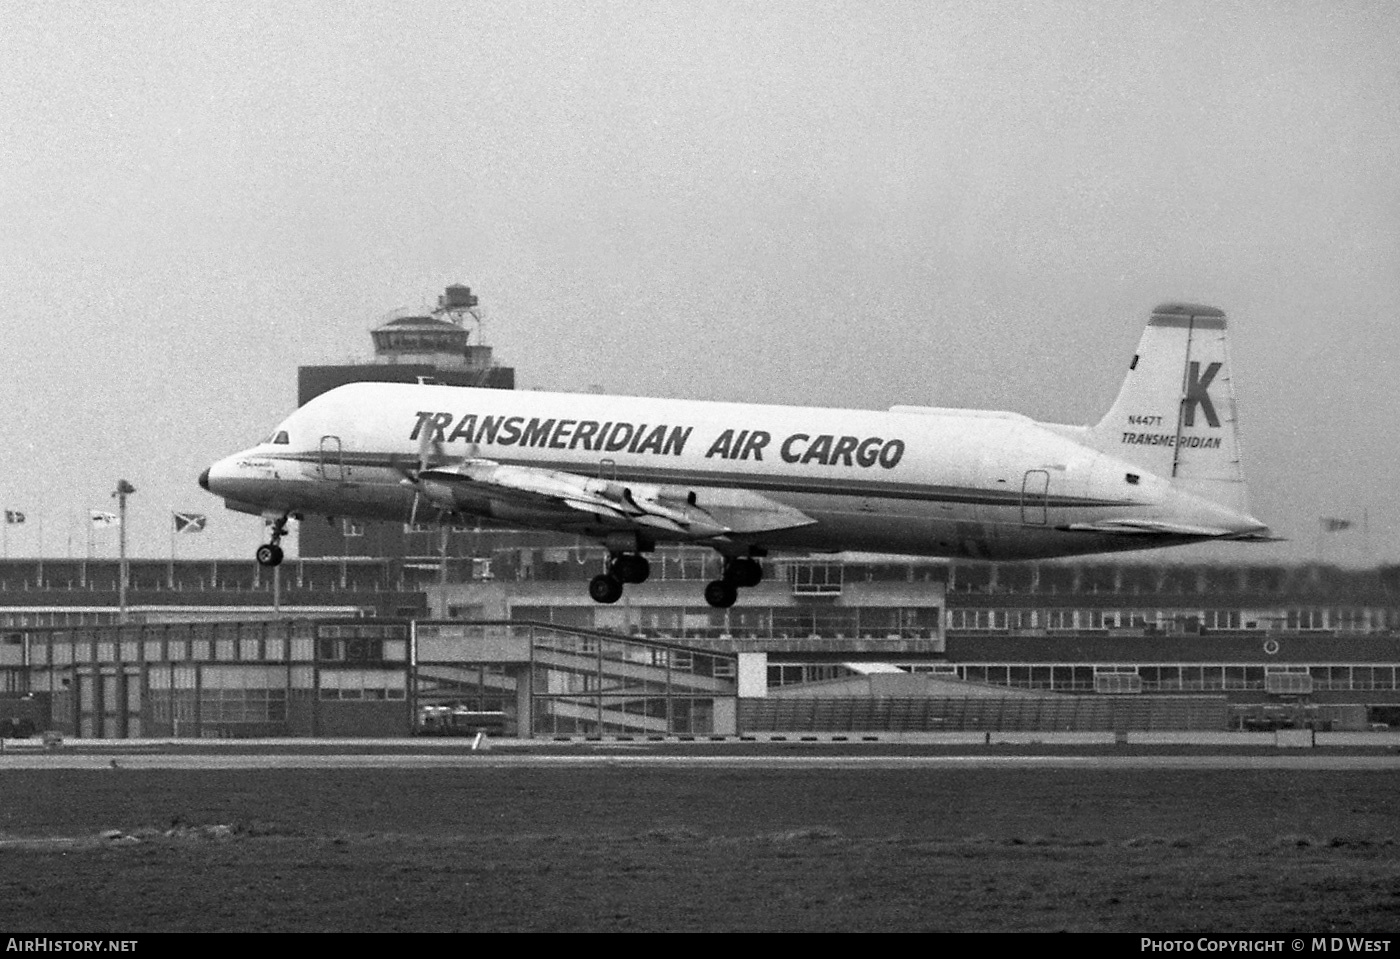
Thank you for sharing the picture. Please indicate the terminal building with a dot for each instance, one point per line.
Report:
(382, 629)
(356, 649)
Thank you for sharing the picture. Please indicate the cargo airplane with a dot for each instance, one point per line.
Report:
(1162, 468)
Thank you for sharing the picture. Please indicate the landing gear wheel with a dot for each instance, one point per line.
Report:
(721, 594)
(631, 568)
(743, 572)
(271, 554)
(605, 588)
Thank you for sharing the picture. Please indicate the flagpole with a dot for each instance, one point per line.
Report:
(121, 558)
(41, 537)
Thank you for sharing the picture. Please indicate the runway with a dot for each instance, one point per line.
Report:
(568, 836)
(1299, 761)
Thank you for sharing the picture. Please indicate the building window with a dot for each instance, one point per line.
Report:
(350, 650)
(1222, 619)
(350, 527)
(1299, 619)
(818, 579)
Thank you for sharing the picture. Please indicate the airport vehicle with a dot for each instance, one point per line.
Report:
(456, 719)
(1161, 468)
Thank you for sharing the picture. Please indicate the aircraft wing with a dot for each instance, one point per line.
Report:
(670, 511)
(745, 511)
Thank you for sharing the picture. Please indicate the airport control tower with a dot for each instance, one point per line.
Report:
(409, 348)
(445, 346)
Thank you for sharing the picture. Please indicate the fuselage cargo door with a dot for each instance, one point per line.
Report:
(332, 462)
(1035, 498)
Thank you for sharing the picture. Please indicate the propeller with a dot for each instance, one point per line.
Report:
(430, 456)
(428, 444)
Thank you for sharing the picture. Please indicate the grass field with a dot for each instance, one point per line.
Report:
(606, 849)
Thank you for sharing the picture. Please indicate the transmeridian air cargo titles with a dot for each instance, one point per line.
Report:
(1162, 468)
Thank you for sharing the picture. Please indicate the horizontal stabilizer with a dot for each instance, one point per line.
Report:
(1152, 527)
(1258, 536)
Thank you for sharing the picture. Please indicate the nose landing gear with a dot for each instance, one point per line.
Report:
(270, 554)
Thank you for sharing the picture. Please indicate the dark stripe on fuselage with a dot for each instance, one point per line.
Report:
(761, 482)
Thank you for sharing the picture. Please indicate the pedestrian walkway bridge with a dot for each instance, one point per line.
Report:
(1045, 713)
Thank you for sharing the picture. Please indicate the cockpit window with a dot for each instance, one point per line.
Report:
(279, 438)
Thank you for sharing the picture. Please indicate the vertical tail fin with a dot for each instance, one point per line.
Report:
(1175, 415)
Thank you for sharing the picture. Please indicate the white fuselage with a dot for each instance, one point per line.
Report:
(920, 482)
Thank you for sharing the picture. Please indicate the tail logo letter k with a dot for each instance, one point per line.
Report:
(1197, 394)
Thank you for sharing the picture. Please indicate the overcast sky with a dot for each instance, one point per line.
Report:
(853, 204)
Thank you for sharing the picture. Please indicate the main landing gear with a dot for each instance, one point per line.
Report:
(739, 572)
(622, 568)
(270, 554)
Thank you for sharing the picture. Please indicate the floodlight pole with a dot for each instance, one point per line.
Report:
(123, 490)
(442, 570)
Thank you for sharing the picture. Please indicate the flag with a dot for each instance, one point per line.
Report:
(1332, 525)
(189, 522)
(13, 516)
(101, 520)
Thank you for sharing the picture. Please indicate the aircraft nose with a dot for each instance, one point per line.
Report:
(204, 478)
